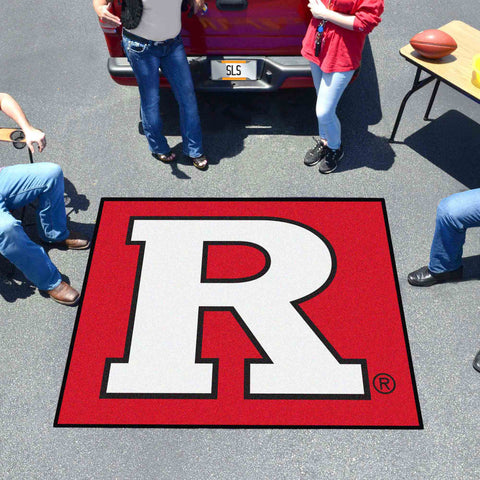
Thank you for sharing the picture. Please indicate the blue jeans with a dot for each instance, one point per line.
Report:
(19, 186)
(329, 87)
(146, 59)
(455, 214)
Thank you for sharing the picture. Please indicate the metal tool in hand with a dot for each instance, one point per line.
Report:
(13, 135)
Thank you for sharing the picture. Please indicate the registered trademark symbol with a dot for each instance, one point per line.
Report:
(384, 383)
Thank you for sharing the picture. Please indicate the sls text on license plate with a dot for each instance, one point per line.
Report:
(234, 69)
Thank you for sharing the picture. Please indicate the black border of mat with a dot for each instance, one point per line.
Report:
(263, 427)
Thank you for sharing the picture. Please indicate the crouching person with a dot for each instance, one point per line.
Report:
(21, 185)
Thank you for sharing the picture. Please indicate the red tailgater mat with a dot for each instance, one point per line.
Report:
(240, 313)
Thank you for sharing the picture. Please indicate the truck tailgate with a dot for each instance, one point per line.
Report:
(261, 27)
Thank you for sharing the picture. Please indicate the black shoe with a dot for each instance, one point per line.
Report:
(315, 154)
(423, 277)
(330, 161)
(476, 362)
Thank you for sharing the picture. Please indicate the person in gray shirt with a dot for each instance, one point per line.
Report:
(151, 40)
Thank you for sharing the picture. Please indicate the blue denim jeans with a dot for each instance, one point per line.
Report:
(329, 87)
(455, 214)
(19, 186)
(146, 59)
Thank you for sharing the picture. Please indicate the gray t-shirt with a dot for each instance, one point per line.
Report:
(161, 20)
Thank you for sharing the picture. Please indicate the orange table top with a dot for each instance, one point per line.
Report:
(456, 68)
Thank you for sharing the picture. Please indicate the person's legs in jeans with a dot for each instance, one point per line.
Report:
(329, 87)
(176, 69)
(145, 62)
(20, 185)
(455, 214)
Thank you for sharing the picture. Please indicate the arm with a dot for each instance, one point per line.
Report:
(320, 11)
(366, 18)
(13, 110)
(102, 9)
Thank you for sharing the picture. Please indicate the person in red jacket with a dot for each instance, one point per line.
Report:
(333, 44)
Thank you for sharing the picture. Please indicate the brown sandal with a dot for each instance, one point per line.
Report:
(164, 157)
(200, 162)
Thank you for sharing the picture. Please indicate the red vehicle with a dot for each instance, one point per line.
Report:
(241, 45)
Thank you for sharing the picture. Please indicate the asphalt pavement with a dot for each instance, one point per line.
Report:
(53, 61)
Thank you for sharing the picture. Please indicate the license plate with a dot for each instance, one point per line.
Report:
(234, 69)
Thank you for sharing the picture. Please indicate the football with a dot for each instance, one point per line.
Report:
(433, 43)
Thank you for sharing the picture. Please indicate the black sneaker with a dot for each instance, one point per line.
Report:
(315, 154)
(330, 161)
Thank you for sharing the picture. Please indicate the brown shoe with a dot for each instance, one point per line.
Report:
(200, 162)
(164, 157)
(64, 294)
(75, 241)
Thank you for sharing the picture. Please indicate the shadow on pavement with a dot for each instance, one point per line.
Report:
(359, 108)
(16, 287)
(471, 268)
(13, 288)
(452, 143)
(228, 118)
(74, 201)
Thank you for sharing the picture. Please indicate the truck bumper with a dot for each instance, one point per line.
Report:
(273, 73)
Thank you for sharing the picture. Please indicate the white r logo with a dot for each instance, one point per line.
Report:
(162, 345)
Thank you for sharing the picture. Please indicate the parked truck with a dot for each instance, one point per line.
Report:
(237, 45)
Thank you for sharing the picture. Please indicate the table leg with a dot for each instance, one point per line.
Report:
(417, 85)
(432, 99)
